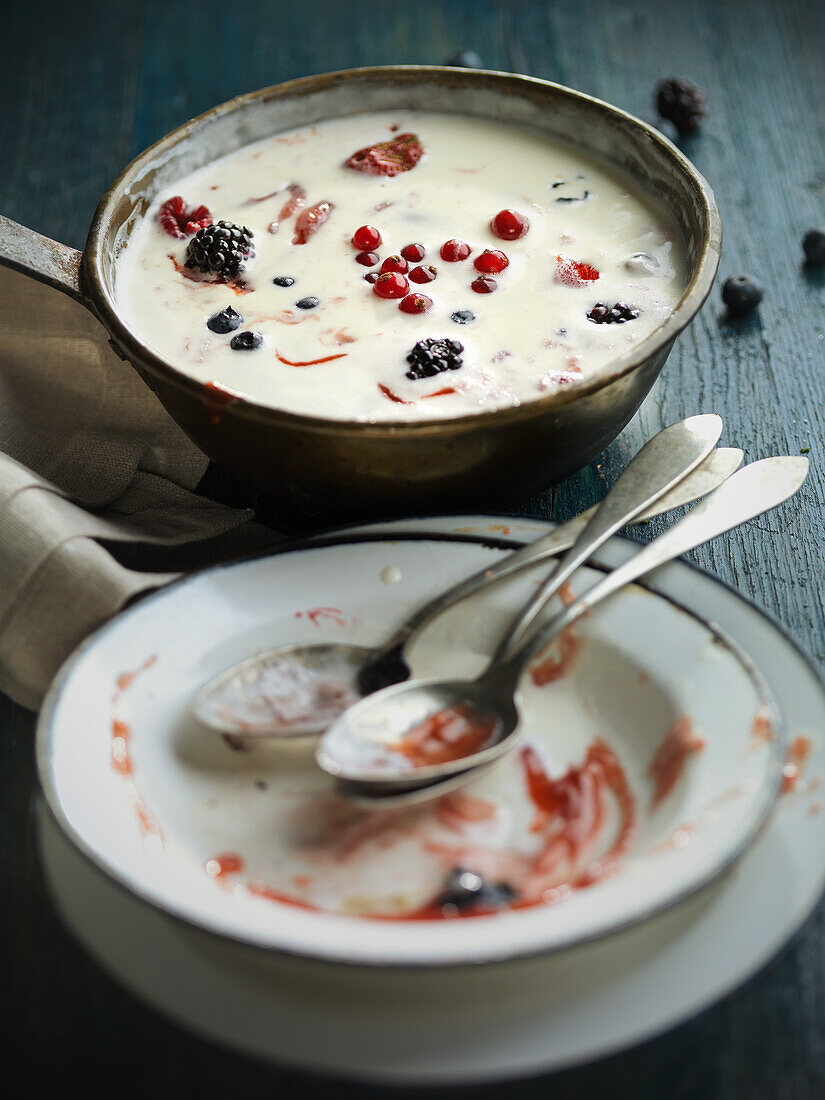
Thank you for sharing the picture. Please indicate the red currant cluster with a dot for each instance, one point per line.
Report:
(393, 277)
(392, 280)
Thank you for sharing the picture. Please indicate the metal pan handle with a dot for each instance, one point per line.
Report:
(43, 259)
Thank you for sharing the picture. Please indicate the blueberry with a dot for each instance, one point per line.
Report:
(465, 889)
(310, 302)
(226, 321)
(741, 294)
(464, 59)
(463, 316)
(283, 280)
(813, 245)
(246, 341)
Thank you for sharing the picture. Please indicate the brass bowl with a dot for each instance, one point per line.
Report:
(338, 466)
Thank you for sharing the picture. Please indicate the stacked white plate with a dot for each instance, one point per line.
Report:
(204, 848)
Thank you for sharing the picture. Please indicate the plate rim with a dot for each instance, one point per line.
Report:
(45, 731)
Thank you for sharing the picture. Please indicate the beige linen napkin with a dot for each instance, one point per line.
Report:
(87, 456)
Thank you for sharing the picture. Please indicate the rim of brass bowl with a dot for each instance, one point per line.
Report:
(691, 301)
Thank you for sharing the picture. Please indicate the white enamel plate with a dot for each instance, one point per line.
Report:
(652, 754)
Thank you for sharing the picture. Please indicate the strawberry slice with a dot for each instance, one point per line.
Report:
(388, 158)
(179, 220)
(310, 220)
(574, 273)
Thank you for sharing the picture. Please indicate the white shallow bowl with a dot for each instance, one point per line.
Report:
(645, 662)
(436, 1026)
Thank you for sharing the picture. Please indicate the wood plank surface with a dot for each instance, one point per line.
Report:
(86, 86)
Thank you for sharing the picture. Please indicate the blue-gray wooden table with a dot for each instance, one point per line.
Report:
(86, 86)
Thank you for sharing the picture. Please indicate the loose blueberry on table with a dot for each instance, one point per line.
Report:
(741, 294)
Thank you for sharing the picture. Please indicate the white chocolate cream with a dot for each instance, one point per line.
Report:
(528, 337)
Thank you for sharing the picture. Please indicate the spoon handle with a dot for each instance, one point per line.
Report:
(716, 469)
(746, 494)
(659, 466)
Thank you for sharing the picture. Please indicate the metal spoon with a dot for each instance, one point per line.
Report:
(359, 747)
(239, 700)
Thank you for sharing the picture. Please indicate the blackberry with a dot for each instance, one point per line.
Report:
(246, 341)
(431, 357)
(464, 59)
(813, 245)
(283, 280)
(465, 889)
(682, 103)
(221, 248)
(463, 316)
(226, 321)
(741, 294)
(310, 302)
(603, 314)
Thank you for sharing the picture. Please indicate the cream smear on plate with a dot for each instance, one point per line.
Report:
(592, 239)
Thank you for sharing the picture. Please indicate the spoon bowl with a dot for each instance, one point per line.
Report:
(410, 733)
(294, 691)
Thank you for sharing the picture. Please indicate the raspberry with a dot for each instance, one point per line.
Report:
(484, 284)
(574, 273)
(388, 158)
(391, 284)
(395, 263)
(491, 262)
(454, 250)
(509, 225)
(415, 303)
(368, 259)
(424, 274)
(413, 252)
(179, 220)
(366, 238)
(682, 103)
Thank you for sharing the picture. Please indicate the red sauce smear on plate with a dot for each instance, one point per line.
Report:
(668, 763)
(762, 728)
(216, 398)
(310, 362)
(121, 756)
(310, 221)
(441, 393)
(552, 668)
(449, 734)
(798, 752)
(316, 614)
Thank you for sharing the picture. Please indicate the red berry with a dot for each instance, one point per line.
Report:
(415, 303)
(179, 220)
(491, 262)
(424, 274)
(371, 276)
(391, 284)
(368, 259)
(388, 158)
(509, 225)
(395, 263)
(366, 238)
(413, 252)
(454, 250)
(574, 272)
(484, 284)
